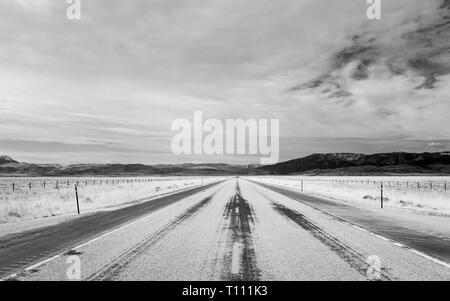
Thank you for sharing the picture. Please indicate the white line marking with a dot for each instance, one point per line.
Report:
(398, 244)
(40, 263)
(236, 259)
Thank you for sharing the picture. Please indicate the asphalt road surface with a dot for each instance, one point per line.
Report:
(232, 230)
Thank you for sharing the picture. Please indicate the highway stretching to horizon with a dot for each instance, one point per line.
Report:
(236, 229)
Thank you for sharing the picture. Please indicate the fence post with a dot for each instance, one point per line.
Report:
(13, 186)
(382, 197)
(29, 185)
(76, 196)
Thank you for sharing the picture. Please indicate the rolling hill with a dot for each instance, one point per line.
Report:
(10, 167)
(360, 164)
(344, 164)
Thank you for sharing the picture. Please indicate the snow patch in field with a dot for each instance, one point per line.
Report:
(428, 195)
(50, 197)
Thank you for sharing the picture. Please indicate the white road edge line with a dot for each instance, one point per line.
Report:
(403, 246)
(40, 263)
(398, 244)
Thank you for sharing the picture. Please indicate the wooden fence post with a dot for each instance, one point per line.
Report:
(76, 196)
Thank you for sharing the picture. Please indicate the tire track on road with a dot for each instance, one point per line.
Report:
(355, 259)
(432, 247)
(17, 251)
(241, 259)
(117, 265)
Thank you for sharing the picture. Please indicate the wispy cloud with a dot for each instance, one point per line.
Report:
(123, 72)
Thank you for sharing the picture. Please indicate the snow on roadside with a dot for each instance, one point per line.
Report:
(428, 195)
(41, 202)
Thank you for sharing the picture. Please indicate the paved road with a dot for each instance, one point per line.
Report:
(403, 229)
(18, 251)
(235, 230)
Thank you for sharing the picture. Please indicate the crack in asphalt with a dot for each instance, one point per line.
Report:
(353, 258)
(241, 251)
(117, 265)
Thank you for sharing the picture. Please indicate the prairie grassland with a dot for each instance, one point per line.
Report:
(429, 195)
(56, 196)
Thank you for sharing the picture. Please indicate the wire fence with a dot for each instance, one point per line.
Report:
(442, 183)
(431, 194)
(30, 198)
(30, 184)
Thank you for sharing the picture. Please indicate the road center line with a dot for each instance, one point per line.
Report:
(236, 258)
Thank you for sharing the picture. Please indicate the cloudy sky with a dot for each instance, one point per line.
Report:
(106, 88)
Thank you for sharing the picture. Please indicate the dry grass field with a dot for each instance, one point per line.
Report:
(32, 198)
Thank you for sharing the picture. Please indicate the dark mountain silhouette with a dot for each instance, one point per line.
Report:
(6, 160)
(354, 164)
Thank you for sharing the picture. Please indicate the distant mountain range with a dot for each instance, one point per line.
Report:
(10, 167)
(317, 164)
(6, 160)
(360, 164)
